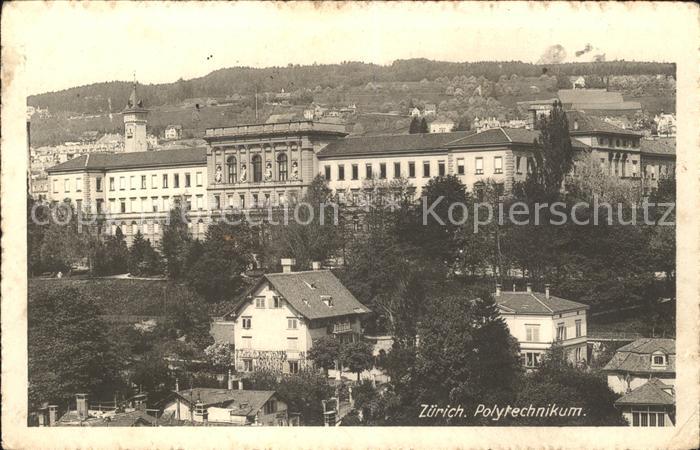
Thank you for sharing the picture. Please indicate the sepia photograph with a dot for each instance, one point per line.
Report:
(369, 215)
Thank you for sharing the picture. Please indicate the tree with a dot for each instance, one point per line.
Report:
(69, 351)
(325, 352)
(220, 356)
(423, 127)
(554, 153)
(415, 125)
(356, 356)
(175, 243)
(464, 123)
(143, 259)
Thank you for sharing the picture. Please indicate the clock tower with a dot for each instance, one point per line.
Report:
(135, 124)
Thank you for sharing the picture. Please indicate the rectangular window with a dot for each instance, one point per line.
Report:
(292, 344)
(382, 170)
(166, 203)
(100, 205)
(176, 180)
(355, 172)
(426, 169)
(411, 169)
(341, 172)
(200, 202)
(188, 180)
(246, 323)
(578, 354)
(132, 182)
(122, 183)
(154, 181)
(498, 164)
(635, 419)
(270, 407)
(561, 332)
(78, 184)
(518, 170)
(165, 180)
(460, 166)
(255, 201)
(247, 342)
(578, 328)
(532, 359)
(259, 302)
(188, 203)
(98, 184)
(293, 366)
(111, 183)
(242, 201)
(78, 205)
(292, 323)
(368, 171)
(198, 178)
(397, 170)
(479, 166)
(247, 365)
(217, 202)
(55, 185)
(122, 206)
(154, 204)
(441, 168)
(532, 333)
(276, 302)
(66, 185)
(132, 205)
(327, 172)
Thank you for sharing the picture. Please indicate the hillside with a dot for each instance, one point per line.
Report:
(227, 96)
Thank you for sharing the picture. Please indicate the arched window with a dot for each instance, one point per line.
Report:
(282, 166)
(200, 226)
(232, 173)
(256, 161)
(134, 227)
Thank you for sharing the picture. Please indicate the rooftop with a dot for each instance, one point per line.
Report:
(390, 143)
(590, 124)
(653, 392)
(294, 127)
(247, 402)
(636, 356)
(104, 161)
(504, 136)
(534, 303)
(568, 96)
(659, 146)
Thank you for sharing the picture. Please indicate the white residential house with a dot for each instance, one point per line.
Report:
(579, 83)
(414, 112)
(644, 373)
(274, 325)
(430, 109)
(173, 132)
(441, 126)
(539, 320)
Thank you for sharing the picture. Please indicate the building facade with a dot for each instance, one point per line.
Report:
(274, 325)
(540, 320)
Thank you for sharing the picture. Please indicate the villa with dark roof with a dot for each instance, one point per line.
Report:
(273, 325)
(644, 373)
(539, 320)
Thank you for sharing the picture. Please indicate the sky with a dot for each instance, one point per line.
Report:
(73, 44)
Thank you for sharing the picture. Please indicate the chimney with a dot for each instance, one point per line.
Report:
(53, 412)
(230, 381)
(177, 385)
(529, 288)
(81, 404)
(498, 290)
(240, 384)
(316, 265)
(287, 264)
(546, 290)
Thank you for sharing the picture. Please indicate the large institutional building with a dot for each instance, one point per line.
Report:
(257, 166)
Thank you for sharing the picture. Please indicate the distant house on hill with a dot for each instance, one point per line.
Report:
(579, 83)
(597, 101)
(441, 126)
(173, 132)
(414, 112)
(430, 109)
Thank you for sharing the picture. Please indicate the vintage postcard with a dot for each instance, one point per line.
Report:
(340, 225)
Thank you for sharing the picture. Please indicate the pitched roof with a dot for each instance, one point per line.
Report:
(303, 291)
(246, 402)
(659, 146)
(622, 106)
(653, 392)
(589, 96)
(636, 356)
(107, 419)
(590, 124)
(390, 143)
(504, 136)
(103, 161)
(535, 303)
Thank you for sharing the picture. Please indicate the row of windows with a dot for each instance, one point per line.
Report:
(282, 166)
(292, 366)
(532, 331)
(141, 182)
(292, 343)
(154, 228)
(152, 204)
(67, 185)
(619, 142)
(397, 169)
(247, 322)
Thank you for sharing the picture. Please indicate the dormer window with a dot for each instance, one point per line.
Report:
(658, 360)
(310, 285)
(328, 300)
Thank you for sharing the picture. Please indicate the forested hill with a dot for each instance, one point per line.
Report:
(112, 96)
